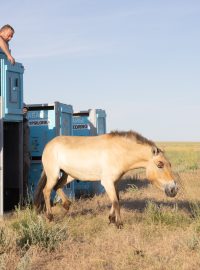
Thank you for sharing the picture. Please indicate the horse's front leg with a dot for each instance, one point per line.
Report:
(114, 216)
(47, 194)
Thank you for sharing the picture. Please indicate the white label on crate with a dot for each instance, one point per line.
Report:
(33, 115)
(78, 120)
(39, 122)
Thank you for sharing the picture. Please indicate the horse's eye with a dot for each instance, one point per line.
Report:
(160, 164)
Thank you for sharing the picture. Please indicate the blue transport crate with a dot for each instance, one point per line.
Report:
(11, 89)
(91, 122)
(11, 134)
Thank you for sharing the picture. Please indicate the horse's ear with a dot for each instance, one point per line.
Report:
(155, 150)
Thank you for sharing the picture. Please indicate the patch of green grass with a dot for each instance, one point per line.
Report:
(184, 160)
(158, 215)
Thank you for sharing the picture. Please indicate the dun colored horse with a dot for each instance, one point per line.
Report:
(105, 157)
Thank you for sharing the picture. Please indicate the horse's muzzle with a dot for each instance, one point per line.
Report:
(171, 189)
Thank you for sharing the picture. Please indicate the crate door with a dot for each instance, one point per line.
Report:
(101, 125)
(13, 93)
(65, 123)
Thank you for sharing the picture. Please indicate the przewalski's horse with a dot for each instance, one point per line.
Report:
(105, 157)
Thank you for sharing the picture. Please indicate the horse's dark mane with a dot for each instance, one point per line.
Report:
(132, 135)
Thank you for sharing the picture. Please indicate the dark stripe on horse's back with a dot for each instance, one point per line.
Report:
(132, 135)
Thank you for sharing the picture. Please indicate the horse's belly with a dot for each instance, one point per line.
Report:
(87, 175)
(83, 171)
(82, 165)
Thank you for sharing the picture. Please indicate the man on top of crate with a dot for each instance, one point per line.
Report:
(6, 34)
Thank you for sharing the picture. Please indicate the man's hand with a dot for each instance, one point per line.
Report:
(11, 59)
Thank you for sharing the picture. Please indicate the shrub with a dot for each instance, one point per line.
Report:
(35, 230)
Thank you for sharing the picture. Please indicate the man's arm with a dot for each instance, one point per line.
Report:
(5, 49)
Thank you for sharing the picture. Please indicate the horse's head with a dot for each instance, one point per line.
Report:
(159, 172)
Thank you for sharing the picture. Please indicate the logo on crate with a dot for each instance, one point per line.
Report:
(81, 126)
(39, 122)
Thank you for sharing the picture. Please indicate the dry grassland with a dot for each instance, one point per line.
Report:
(159, 232)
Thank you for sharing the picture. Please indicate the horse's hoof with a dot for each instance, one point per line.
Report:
(119, 225)
(112, 219)
(66, 205)
(50, 217)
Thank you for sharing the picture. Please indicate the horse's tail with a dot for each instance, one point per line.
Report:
(38, 196)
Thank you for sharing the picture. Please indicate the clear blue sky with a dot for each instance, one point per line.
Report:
(137, 59)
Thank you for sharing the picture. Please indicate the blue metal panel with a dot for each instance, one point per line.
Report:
(46, 122)
(66, 124)
(82, 188)
(87, 188)
(69, 189)
(42, 129)
(81, 125)
(11, 89)
(34, 175)
(101, 121)
(65, 119)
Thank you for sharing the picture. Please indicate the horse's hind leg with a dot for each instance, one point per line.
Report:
(58, 188)
(47, 193)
